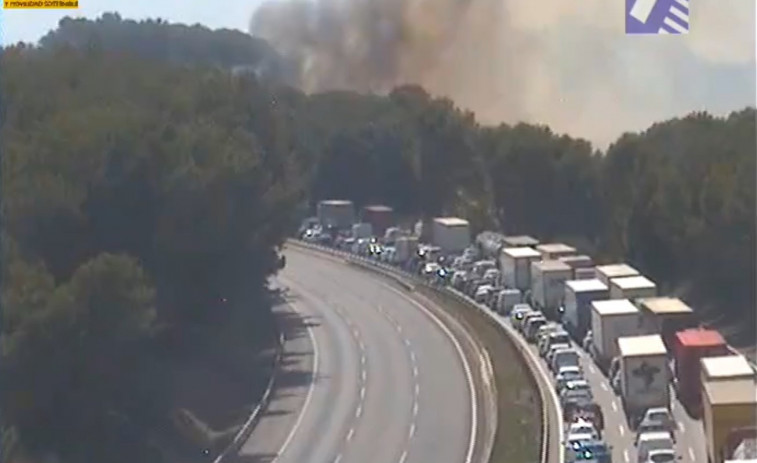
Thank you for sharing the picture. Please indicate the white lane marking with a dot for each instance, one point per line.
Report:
(683, 3)
(362, 346)
(682, 426)
(674, 25)
(407, 342)
(415, 371)
(403, 457)
(592, 369)
(362, 392)
(356, 333)
(691, 454)
(350, 433)
(417, 389)
(415, 409)
(399, 328)
(625, 456)
(359, 411)
(412, 356)
(363, 374)
(411, 433)
(614, 406)
(362, 359)
(338, 458)
(642, 9)
(466, 368)
(604, 386)
(622, 430)
(308, 397)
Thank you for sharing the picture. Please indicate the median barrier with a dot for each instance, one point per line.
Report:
(409, 281)
(230, 452)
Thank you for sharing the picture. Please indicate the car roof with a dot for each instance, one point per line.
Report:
(570, 368)
(656, 435)
(658, 410)
(565, 349)
(558, 333)
(558, 346)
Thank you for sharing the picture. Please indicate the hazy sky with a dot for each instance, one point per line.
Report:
(566, 63)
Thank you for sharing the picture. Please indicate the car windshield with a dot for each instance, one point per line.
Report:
(560, 338)
(659, 444)
(658, 415)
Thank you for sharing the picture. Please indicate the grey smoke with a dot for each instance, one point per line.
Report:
(560, 62)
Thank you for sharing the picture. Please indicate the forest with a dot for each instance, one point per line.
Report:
(146, 196)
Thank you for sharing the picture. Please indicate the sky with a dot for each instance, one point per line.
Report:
(565, 63)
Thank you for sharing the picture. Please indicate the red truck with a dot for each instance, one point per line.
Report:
(690, 346)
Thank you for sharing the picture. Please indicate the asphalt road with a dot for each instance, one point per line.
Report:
(690, 445)
(367, 377)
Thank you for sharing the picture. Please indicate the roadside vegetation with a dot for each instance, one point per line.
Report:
(146, 189)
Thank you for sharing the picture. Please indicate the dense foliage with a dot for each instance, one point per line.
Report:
(138, 197)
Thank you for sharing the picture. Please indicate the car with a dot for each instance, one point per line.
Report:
(565, 374)
(661, 456)
(575, 396)
(589, 451)
(521, 325)
(532, 326)
(659, 416)
(650, 441)
(552, 350)
(646, 428)
(544, 332)
(519, 311)
(582, 427)
(576, 385)
(557, 337)
(482, 293)
(564, 358)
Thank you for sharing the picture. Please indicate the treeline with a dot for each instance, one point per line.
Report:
(143, 206)
(143, 203)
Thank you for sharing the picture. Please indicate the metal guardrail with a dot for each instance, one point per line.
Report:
(402, 277)
(230, 452)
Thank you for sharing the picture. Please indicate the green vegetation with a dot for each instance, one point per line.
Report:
(144, 184)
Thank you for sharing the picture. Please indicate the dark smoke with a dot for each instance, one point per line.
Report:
(558, 62)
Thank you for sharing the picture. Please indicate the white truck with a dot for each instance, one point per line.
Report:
(362, 230)
(631, 288)
(610, 320)
(451, 234)
(605, 273)
(515, 264)
(548, 278)
(553, 251)
(644, 375)
(579, 262)
(406, 248)
(579, 294)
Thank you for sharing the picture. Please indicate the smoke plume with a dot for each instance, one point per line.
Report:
(564, 63)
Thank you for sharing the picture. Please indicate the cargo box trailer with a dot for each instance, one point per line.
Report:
(667, 316)
(605, 273)
(515, 264)
(644, 375)
(553, 251)
(611, 320)
(579, 294)
(507, 299)
(632, 288)
(380, 217)
(725, 367)
(520, 241)
(727, 405)
(336, 213)
(580, 261)
(405, 248)
(689, 348)
(451, 234)
(548, 279)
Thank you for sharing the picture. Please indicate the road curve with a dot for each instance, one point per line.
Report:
(387, 384)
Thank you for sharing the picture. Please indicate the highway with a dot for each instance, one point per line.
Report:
(367, 376)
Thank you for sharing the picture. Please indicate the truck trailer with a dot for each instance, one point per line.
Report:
(728, 405)
(380, 217)
(489, 244)
(548, 279)
(605, 273)
(689, 348)
(553, 251)
(632, 288)
(587, 273)
(579, 294)
(667, 316)
(405, 248)
(451, 234)
(578, 262)
(336, 213)
(520, 241)
(515, 264)
(725, 367)
(644, 375)
(610, 320)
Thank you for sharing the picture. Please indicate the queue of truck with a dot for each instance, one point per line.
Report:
(648, 345)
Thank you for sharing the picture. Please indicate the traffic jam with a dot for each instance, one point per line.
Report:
(637, 376)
